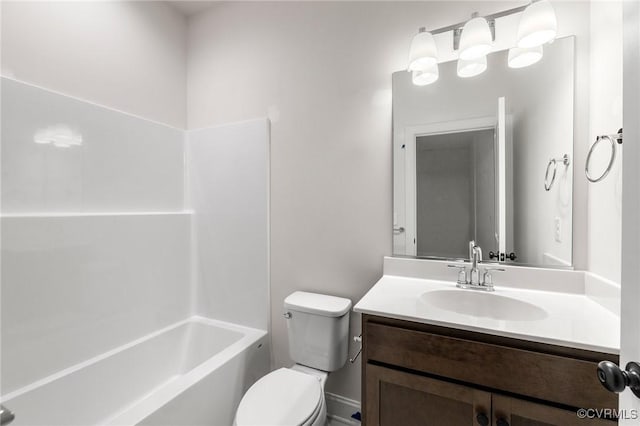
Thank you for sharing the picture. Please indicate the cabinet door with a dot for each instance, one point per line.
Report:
(399, 398)
(516, 412)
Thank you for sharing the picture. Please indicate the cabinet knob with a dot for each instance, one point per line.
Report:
(616, 380)
(482, 419)
(502, 422)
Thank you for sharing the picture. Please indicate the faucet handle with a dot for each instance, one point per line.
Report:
(462, 273)
(487, 278)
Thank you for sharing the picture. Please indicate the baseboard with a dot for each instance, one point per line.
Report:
(340, 409)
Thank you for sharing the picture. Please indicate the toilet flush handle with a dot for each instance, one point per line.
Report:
(287, 315)
(357, 339)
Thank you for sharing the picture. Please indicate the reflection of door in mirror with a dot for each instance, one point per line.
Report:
(456, 185)
(456, 171)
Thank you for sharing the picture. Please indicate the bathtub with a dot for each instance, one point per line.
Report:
(193, 372)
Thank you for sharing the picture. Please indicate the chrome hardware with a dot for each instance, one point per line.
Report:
(502, 256)
(487, 279)
(554, 162)
(475, 279)
(398, 229)
(6, 416)
(287, 315)
(474, 274)
(612, 139)
(462, 273)
(357, 339)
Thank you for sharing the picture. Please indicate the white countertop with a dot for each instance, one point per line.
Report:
(567, 319)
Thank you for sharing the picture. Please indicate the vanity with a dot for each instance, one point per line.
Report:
(439, 355)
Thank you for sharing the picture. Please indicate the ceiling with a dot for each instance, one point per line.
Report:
(188, 8)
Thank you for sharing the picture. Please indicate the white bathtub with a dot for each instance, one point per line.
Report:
(193, 372)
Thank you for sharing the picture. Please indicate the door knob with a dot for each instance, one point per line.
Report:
(616, 380)
(482, 419)
(6, 416)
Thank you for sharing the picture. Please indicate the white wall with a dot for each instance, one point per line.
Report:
(74, 287)
(228, 169)
(122, 164)
(630, 316)
(322, 73)
(127, 55)
(95, 243)
(605, 197)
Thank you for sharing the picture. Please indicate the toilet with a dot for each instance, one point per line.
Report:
(318, 330)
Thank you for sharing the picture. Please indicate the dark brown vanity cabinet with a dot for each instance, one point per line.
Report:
(417, 374)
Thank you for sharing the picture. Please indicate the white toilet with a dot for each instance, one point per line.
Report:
(318, 327)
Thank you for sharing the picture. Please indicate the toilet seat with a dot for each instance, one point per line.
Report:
(282, 397)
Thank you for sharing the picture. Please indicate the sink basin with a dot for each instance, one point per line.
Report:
(486, 305)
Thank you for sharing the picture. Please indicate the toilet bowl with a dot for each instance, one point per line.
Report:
(287, 396)
(318, 328)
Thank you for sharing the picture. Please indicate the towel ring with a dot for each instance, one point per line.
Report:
(612, 140)
(554, 162)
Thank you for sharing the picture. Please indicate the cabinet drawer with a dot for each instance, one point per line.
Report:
(547, 377)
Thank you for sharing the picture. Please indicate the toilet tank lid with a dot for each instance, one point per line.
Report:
(319, 304)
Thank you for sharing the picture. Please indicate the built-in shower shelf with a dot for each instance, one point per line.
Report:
(88, 214)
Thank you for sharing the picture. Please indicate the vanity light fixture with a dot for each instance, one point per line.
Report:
(476, 39)
(523, 57)
(471, 68)
(425, 77)
(538, 24)
(423, 53)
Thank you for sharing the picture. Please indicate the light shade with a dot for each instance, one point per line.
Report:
(538, 25)
(424, 77)
(471, 68)
(523, 57)
(423, 53)
(476, 39)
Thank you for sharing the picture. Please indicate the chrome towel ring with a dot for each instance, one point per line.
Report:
(554, 162)
(612, 139)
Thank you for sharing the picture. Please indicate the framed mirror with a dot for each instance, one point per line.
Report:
(487, 158)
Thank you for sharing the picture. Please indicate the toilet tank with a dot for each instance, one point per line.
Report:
(318, 327)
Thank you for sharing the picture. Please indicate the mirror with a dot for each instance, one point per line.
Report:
(487, 158)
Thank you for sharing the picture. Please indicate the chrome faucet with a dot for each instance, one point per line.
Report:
(476, 257)
(475, 280)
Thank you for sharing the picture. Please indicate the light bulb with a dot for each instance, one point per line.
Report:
(471, 68)
(523, 57)
(425, 77)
